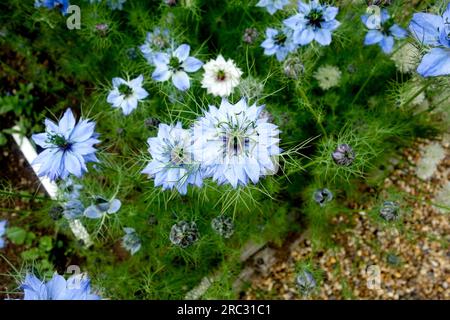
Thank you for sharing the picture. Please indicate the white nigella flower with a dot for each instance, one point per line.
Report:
(328, 76)
(127, 94)
(221, 76)
(172, 164)
(235, 144)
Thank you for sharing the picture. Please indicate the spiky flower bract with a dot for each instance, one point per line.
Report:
(184, 234)
(175, 66)
(172, 164)
(234, 144)
(314, 21)
(126, 94)
(433, 31)
(384, 32)
(328, 76)
(68, 147)
(131, 240)
(221, 76)
(77, 287)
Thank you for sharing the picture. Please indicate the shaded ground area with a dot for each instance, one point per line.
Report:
(412, 256)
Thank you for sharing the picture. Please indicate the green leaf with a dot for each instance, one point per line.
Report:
(31, 254)
(46, 243)
(16, 235)
(3, 139)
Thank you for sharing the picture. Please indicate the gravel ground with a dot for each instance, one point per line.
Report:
(411, 256)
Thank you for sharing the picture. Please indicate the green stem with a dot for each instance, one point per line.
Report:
(312, 111)
(363, 86)
(22, 195)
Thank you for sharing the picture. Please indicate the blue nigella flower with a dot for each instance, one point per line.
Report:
(73, 209)
(77, 287)
(51, 4)
(126, 94)
(382, 31)
(68, 147)
(156, 41)
(272, 6)
(236, 144)
(172, 163)
(2, 233)
(313, 22)
(434, 31)
(278, 43)
(116, 4)
(175, 65)
(131, 240)
(70, 189)
(101, 207)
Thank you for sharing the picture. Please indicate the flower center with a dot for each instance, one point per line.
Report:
(178, 155)
(315, 18)
(125, 90)
(221, 76)
(174, 63)
(59, 141)
(159, 42)
(280, 39)
(235, 143)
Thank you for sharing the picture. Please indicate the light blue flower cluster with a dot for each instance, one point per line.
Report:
(126, 94)
(77, 287)
(102, 206)
(272, 6)
(73, 208)
(232, 144)
(156, 41)
(175, 65)
(279, 43)
(433, 31)
(172, 164)
(51, 4)
(382, 31)
(3, 224)
(68, 147)
(313, 22)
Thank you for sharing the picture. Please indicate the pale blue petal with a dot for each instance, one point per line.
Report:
(330, 13)
(182, 52)
(387, 44)
(92, 212)
(72, 164)
(40, 139)
(424, 27)
(372, 37)
(161, 74)
(181, 80)
(114, 206)
(435, 63)
(305, 37)
(192, 64)
(398, 31)
(323, 37)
